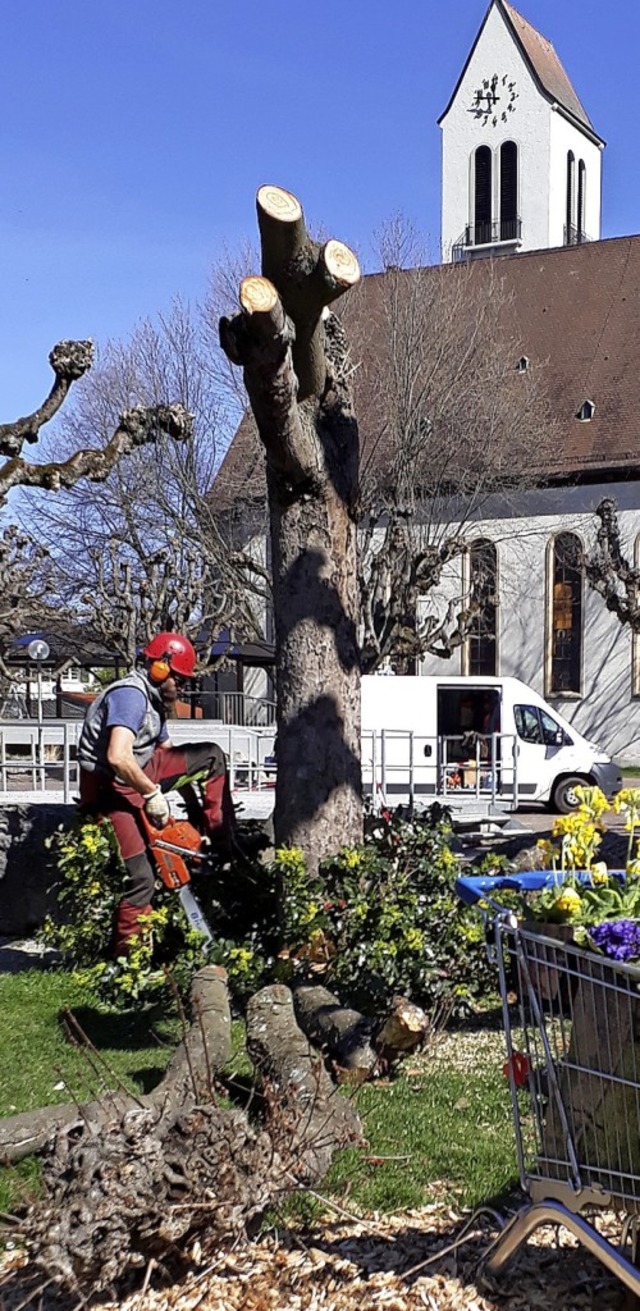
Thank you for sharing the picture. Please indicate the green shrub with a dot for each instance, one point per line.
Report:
(383, 918)
(376, 920)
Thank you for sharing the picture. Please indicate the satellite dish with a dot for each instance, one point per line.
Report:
(38, 649)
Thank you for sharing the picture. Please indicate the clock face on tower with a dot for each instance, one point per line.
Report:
(495, 100)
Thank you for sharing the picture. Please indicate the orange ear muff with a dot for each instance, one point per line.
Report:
(159, 670)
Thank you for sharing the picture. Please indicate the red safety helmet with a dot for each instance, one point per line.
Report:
(175, 651)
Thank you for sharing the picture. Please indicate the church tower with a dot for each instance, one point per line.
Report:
(521, 163)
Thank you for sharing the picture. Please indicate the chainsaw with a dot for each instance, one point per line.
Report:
(172, 848)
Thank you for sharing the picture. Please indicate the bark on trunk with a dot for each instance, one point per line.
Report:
(205, 1049)
(357, 1046)
(129, 1180)
(295, 368)
(320, 1118)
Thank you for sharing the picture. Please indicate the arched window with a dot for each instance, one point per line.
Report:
(483, 586)
(566, 615)
(569, 228)
(483, 196)
(582, 184)
(508, 191)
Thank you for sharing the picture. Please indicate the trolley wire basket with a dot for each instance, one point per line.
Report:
(572, 1029)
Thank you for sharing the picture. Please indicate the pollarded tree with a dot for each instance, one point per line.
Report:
(292, 350)
(145, 551)
(21, 561)
(451, 414)
(138, 426)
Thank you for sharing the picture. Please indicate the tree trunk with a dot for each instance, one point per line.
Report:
(129, 1180)
(295, 366)
(358, 1047)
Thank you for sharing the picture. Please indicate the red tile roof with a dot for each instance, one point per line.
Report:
(574, 313)
(544, 62)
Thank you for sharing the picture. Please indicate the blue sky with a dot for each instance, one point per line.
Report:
(135, 133)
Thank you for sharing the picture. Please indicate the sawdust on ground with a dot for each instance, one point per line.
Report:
(407, 1262)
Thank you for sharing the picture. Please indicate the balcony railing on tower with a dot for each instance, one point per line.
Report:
(478, 235)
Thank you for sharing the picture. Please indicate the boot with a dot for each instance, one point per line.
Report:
(128, 928)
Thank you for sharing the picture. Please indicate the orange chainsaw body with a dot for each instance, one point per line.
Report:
(171, 848)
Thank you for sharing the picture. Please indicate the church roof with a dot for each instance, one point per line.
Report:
(542, 60)
(545, 64)
(575, 315)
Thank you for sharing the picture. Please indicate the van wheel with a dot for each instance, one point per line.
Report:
(565, 798)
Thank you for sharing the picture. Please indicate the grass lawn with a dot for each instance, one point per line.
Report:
(441, 1129)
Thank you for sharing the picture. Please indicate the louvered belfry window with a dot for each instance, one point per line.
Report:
(582, 184)
(569, 237)
(508, 191)
(483, 190)
(566, 616)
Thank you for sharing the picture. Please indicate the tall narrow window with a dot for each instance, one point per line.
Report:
(483, 194)
(508, 191)
(483, 584)
(582, 182)
(569, 228)
(566, 615)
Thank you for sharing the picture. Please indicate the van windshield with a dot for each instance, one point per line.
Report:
(533, 724)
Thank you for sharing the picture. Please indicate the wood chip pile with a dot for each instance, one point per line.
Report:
(377, 1265)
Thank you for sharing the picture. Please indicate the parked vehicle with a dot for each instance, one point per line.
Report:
(492, 739)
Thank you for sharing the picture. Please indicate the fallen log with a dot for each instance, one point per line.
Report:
(133, 1180)
(320, 1118)
(358, 1047)
(204, 1050)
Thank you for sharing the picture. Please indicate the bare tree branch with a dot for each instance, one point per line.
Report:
(69, 361)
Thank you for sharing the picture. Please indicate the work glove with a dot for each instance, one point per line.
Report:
(157, 808)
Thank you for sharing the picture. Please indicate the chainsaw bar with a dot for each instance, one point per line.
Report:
(195, 914)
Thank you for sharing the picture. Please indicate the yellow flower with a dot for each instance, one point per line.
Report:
(599, 872)
(350, 858)
(568, 902)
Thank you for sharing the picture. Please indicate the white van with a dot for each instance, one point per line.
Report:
(474, 739)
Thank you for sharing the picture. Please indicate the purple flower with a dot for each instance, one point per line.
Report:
(619, 939)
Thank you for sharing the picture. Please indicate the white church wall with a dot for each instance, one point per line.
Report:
(566, 137)
(528, 125)
(606, 709)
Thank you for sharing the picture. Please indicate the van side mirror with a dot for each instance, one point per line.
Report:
(428, 750)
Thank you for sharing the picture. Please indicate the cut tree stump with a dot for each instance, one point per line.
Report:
(129, 1180)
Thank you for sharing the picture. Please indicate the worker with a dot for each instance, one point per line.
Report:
(128, 762)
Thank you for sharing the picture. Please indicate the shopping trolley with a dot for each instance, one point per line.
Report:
(572, 1029)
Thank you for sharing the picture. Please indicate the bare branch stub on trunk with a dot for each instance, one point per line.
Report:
(293, 355)
(609, 572)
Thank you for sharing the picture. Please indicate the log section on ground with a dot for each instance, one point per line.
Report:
(356, 1046)
(128, 1180)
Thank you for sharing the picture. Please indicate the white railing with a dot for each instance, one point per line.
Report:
(38, 759)
(238, 708)
(402, 766)
(38, 762)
